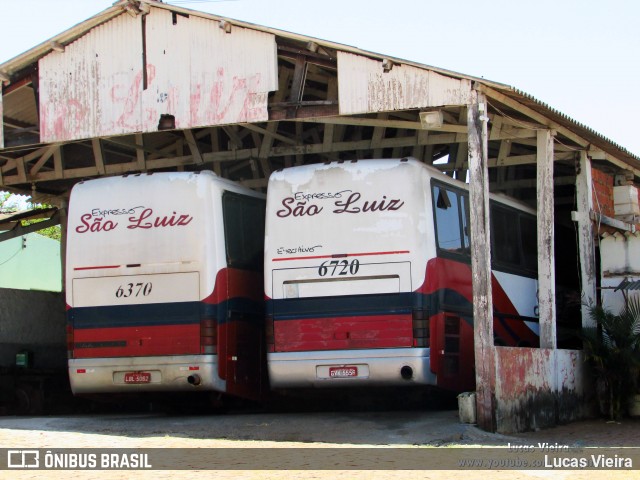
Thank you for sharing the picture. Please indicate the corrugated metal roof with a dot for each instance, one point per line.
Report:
(24, 60)
(580, 129)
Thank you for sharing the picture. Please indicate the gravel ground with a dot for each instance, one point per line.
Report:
(345, 430)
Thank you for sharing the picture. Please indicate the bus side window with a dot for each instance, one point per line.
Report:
(447, 219)
(506, 238)
(243, 230)
(529, 236)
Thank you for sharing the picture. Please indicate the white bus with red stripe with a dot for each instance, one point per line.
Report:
(164, 285)
(368, 279)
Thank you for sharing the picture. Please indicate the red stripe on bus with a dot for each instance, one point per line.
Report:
(341, 255)
(97, 267)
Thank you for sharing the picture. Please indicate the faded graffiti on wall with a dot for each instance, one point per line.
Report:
(103, 85)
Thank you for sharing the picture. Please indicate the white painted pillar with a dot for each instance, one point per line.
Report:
(586, 246)
(546, 256)
(477, 119)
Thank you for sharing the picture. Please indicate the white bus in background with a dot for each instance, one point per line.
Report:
(368, 277)
(164, 285)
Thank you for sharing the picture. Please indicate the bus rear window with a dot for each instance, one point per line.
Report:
(243, 230)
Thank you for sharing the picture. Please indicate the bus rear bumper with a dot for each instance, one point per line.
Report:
(145, 374)
(338, 368)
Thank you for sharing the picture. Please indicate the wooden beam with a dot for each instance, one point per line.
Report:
(419, 150)
(530, 183)
(385, 123)
(462, 153)
(481, 262)
(378, 135)
(215, 147)
(586, 244)
(236, 141)
(140, 153)
(22, 169)
(296, 91)
(546, 256)
(98, 155)
(511, 160)
(231, 155)
(272, 133)
(139, 145)
(547, 122)
(44, 158)
(193, 147)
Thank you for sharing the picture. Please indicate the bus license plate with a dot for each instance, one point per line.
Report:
(343, 372)
(137, 377)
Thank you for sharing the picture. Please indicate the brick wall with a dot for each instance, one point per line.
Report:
(603, 192)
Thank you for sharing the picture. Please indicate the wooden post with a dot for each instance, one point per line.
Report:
(546, 257)
(481, 262)
(584, 204)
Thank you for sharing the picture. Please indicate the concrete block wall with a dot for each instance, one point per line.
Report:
(34, 321)
(540, 388)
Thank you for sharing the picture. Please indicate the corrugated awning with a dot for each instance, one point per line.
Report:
(627, 285)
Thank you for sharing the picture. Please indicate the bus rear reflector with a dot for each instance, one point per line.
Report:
(208, 336)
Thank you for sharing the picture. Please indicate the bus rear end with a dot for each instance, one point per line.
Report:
(147, 285)
(344, 251)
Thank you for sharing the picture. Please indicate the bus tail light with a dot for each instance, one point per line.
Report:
(208, 336)
(420, 323)
(269, 334)
(69, 341)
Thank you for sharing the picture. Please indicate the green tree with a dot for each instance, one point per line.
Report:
(9, 204)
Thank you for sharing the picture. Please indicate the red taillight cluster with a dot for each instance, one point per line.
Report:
(208, 336)
(69, 341)
(269, 333)
(420, 323)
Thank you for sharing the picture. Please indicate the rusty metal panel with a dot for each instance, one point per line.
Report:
(365, 86)
(107, 84)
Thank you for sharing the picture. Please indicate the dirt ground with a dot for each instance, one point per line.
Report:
(348, 431)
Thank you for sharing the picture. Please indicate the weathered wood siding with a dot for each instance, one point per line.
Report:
(365, 87)
(111, 82)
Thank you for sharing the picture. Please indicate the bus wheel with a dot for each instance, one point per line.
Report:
(28, 400)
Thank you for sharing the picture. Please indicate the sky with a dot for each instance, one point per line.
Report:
(581, 57)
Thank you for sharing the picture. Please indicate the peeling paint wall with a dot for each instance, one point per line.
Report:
(619, 260)
(123, 75)
(365, 87)
(538, 388)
